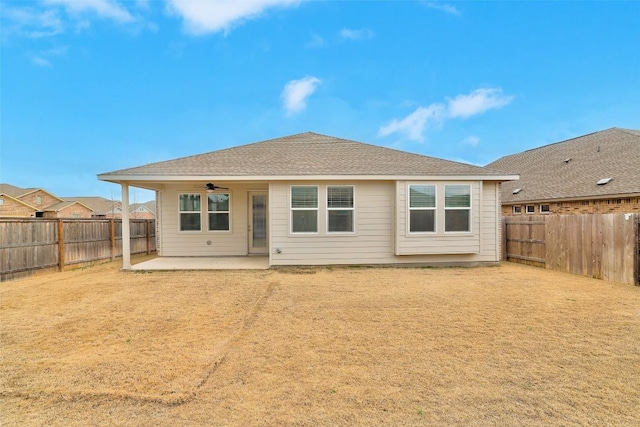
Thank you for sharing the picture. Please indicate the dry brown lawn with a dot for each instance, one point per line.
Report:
(509, 345)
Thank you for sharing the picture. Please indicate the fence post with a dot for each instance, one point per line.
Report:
(148, 224)
(112, 238)
(60, 245)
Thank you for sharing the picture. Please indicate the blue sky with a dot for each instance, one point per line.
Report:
(98, 85)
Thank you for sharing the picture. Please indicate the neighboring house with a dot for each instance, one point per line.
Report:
(311, 199)
(145, 210)
(36, 202)
(594, 173)
(102, 207)
(71, 209)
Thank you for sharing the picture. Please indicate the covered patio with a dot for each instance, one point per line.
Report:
(204, 263)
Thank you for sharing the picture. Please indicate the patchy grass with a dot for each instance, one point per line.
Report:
(512, 345)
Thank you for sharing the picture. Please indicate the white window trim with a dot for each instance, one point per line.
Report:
(533, 210)
(228, 212)
(513, 209)
(292, 209)
(353, 208)
(470, 209)
(542, 212)
(409, 209)
(180, 212)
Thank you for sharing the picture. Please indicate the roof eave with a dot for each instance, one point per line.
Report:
(186, 178)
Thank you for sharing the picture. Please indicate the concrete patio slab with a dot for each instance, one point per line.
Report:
(204, 263)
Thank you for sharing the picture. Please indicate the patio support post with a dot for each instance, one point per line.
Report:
(126, 230)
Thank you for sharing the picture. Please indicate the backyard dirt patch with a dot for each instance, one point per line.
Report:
(508, 345)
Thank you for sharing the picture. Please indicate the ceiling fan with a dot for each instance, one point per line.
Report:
(212, 187)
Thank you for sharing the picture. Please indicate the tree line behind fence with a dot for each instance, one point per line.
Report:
(30, 245)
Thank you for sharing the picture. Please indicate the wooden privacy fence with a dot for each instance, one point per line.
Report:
(28, 245)
(603, 246)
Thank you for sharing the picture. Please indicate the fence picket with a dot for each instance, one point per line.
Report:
(603, 246)
(31, 244)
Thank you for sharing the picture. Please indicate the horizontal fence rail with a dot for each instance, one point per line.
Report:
(603, 246)
(28, 245)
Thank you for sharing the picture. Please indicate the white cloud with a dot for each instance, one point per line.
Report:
(414, 125)
(478, 101)
(107, 9)
(316, 42)
(296, 92)
(471, 140)
(28, 23)
(460, 107)
(43, 58)
(40, 61)
(446, 8)
(363, 34)
(202, 17)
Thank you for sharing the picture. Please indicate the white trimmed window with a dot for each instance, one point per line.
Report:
(517, 209)
(545, 208)
(190, 216)
(340, 208)
(531, 209)
(304, 209)
(219, 210)
(457, 208)
(422, 208)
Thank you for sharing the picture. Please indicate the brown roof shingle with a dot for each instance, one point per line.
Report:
(304, 154)
(570, 169)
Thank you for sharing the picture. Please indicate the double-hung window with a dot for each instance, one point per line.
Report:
(190, 218)
(457, 208)
(422, 208)
(218, 208)
(304, 209)
(340, 209)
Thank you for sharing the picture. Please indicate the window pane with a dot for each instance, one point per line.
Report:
(340, 197)
(456, 220)
(457, 196)
(422, 196)
(190, 221)
(340, 221)
(190, 203)
(304, 196)
(218, 202)
(422, 221)
(218, 221)
(304, 221)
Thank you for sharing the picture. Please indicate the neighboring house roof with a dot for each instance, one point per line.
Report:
(99, 205)
(149, 206)
(302, 155)
(14, 191)
(571, 169)
(63, 205)
(18, 192)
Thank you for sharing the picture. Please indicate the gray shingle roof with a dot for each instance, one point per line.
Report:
(304, 154)
(570, 169)
(14, 191)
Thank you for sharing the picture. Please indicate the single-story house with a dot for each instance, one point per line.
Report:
(594, 173)
(311, 199)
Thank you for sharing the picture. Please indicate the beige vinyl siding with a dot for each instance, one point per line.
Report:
(378, 217)
(371, 243)
(195, 243)
(438, 242)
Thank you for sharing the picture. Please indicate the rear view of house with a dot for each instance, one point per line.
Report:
(311, 199)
